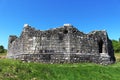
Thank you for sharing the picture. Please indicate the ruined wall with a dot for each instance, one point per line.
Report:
(59, 45)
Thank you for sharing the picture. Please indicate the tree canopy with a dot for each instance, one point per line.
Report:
(2, 49)
(116, 45)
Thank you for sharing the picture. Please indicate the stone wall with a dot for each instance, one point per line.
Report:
(61, 45)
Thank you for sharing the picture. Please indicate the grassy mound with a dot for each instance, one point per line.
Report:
(17, 70)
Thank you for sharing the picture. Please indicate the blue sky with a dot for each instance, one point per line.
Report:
(86, 15)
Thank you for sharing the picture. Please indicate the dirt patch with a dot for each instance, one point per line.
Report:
(2, 56)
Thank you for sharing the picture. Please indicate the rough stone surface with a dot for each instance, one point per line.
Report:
(65, 44)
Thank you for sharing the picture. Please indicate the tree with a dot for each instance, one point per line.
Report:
(2, 49)
(116, 46)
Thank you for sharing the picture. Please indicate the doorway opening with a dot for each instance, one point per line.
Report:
(100, 45)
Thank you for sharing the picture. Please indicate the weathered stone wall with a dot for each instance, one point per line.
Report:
(64, 44)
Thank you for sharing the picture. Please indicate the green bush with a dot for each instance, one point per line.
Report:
(2, 49)
(116, 46)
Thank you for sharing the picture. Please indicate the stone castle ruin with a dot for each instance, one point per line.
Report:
(65, 44)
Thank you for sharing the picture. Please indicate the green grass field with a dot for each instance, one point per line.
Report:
(17, 70)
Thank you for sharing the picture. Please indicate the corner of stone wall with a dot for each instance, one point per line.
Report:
(104, 59)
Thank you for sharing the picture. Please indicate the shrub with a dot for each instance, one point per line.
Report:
(2, 49)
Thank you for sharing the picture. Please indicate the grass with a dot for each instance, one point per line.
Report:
(1, 54)
(117, 55)
(17, 70)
